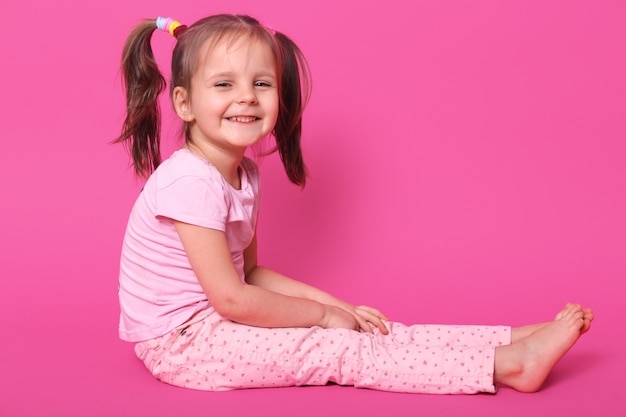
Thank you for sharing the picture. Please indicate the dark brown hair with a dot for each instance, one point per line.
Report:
(144, 82)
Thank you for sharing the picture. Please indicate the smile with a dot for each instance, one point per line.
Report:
(243, 119)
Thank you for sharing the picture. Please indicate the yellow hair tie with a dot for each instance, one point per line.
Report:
(173, 26)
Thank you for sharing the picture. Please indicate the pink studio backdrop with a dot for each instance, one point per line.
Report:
(467, 165)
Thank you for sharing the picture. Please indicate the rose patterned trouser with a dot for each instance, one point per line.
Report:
(209, 352)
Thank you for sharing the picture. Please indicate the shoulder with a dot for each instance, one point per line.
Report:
(186, 181)
(184, 166)
(188, 189)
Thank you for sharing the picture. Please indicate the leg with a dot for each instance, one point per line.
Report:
(211, 353)
(525, 364)
(437, 359)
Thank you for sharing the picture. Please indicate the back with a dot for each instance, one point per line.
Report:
(158, 289)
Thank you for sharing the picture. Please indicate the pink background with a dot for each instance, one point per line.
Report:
(468, 165)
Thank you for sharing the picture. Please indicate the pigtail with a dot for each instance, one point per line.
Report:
(141, 131)
(294, 92)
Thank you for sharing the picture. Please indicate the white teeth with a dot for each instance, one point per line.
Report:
(242, 119)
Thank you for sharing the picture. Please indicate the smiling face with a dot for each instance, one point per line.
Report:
(233, 102)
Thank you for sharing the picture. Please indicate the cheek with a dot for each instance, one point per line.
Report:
(274, 116)
(270, 110)
(274, 108)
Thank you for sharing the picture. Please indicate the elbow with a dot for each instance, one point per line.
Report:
(231, 308)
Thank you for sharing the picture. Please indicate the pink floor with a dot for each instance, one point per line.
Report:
(62, 362)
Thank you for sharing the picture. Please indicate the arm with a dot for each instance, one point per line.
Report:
(276, 282)
(211, 261)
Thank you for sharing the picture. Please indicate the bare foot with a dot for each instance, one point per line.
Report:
(522, 332)
(525, 365)
(587, 317)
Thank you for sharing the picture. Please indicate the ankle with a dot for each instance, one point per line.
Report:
(508, 367)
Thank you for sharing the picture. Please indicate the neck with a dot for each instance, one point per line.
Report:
(227, 163)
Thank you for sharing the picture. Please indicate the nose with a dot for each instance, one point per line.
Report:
(247, 95)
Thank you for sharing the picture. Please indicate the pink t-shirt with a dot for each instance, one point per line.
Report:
(158, 290)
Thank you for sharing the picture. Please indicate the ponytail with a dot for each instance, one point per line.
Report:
(294, 91)
(141, 131)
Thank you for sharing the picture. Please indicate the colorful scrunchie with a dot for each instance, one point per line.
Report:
(171, 26)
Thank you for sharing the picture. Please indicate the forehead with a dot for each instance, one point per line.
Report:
(234, 54)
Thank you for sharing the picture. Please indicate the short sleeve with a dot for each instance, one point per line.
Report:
(194, 200)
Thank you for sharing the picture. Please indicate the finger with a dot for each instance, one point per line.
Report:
(371, 315)
(382, 327)
(363, 324)
(373, 319)
(373, 311)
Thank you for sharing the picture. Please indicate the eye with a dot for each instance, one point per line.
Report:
(262, 84)
(223, 84)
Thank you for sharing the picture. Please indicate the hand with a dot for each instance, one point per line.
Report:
(337, 318)
(368, 316)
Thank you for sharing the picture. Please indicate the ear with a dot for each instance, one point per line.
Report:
(180, 98)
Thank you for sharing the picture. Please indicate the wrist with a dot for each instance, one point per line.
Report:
(326, 314)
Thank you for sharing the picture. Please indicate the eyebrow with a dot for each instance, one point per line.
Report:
(228, 74)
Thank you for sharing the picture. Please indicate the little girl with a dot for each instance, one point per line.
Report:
(201, 310)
